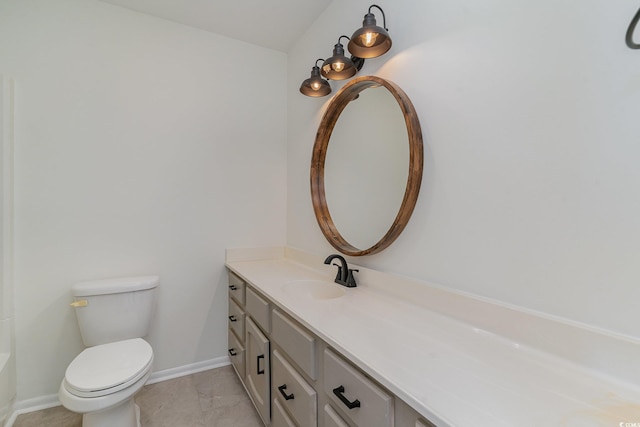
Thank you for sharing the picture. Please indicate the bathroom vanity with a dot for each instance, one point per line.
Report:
(294, 377)
(396, 353)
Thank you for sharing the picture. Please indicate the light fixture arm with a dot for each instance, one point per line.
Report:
(384, 19)
(631, 30)
(358, 62)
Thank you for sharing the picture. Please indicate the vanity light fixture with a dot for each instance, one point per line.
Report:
(370, 41)
(339, 67)
(315, 85)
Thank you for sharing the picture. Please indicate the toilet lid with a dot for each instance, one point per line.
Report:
(108, 368)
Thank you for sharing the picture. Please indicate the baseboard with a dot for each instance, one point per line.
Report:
(32, 405)
(50, 401)
(181, 371)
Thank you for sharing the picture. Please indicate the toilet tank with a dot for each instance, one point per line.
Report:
(115, 309)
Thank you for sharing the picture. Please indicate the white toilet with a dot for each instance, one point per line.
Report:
(113, 315)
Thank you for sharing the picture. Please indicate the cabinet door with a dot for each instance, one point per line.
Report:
(258, 369)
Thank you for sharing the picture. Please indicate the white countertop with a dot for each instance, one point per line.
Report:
(454, 372)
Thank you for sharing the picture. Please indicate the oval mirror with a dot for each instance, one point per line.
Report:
(366, 167)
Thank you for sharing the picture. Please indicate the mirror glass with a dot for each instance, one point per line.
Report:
(367, 167)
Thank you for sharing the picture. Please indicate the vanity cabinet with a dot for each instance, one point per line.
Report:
(295, 379)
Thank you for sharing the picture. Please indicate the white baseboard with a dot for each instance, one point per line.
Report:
(32, 405)
(181, 371)
(51, 400)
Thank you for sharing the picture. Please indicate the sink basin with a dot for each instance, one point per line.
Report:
(316, 289)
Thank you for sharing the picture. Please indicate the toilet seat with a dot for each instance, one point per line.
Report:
(108, 368)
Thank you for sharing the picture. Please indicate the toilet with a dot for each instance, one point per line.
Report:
(100, 383)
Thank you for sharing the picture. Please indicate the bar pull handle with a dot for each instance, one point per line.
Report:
(233, 287)
(284, 394)
(232, 351)
(260, 371)
(233, 318)
(339, 391)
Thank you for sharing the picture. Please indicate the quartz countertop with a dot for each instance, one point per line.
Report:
(449, 368)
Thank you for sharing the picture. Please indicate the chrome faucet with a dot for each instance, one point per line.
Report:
(345, 274)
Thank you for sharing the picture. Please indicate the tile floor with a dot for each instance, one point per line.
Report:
(212, 398)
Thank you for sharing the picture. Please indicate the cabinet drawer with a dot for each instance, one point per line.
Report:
(299, 345)
(236, 288)
(332, 419)
(236, 354)
(236, 320)
(359, 398)
(259, 309)
(279, 417)
(293, 392)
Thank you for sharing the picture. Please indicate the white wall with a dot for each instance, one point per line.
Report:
(529, 113)
(142, 147)
(7, 336)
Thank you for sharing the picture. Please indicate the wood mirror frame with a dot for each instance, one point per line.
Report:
(349, 92)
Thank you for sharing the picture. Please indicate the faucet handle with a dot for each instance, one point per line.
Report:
(339, 275)
(351, 280)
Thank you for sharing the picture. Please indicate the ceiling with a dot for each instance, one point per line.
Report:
(274, 24)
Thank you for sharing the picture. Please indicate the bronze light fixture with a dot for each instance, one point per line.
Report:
(630, 30)
(339, 67)
(315, 85)
(370, 41)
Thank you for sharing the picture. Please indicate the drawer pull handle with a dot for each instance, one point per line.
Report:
(233, 318)
(233, 287)
(260, 371)
(284, 394)
(338, 391)
(232, 351)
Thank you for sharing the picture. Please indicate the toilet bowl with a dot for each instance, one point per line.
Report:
(101, 382)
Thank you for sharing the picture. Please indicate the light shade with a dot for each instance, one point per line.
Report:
(339, 67)
(370, 41)
(315, 85)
